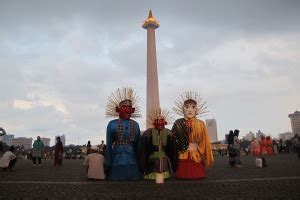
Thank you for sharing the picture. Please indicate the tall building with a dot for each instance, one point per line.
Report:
(286, 136)
(22, 141)
(46, 141)
(150, 24)
(7, 139)
(62, 139)
(211, 125)
(295, 122)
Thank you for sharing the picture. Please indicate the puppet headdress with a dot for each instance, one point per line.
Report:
(122, 96)
(201, 105)
(159, 113)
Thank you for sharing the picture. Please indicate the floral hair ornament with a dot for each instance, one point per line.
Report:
(122, 97)
(190, 97)
(159, 113)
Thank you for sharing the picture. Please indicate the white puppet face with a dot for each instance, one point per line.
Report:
(190, 110)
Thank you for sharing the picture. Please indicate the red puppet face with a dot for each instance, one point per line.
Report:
(160, 123)
(125, 111)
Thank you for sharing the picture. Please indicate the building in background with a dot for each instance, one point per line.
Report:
(286, 136)
(62, 139)
(211, 126)
(46, 141)
(259, 134)
(7, 139)
(295, 122)
(249, 136)
(22, 141)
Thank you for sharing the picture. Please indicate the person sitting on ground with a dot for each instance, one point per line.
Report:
(8, 160)
(94, 162)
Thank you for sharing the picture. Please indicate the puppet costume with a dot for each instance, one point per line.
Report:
(122, 137)
(192, 141)
(157, 147)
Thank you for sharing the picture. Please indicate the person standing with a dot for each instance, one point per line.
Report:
(2, 133)
(8, 160)
(88, 147)
(263, 145)
(297, 145)
(37, 151)
(58, 154)
(94, 162)
(102, 147)
(269, 143)
(255, 148)
(275, 147)
(194, 152)
(237, 146)
(231, 150)
(122, 137)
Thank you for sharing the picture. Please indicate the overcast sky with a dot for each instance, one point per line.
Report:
(59, 61)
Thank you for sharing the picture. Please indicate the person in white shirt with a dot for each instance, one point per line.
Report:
(94, 163)
(8, 160)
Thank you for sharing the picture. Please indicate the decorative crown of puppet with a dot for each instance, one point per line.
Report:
(122, 97)
(159, 114)
(190, 97)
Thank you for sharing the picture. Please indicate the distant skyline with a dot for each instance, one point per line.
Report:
(59, 62)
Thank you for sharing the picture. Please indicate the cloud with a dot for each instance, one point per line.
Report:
(21, 104)
(60, 61)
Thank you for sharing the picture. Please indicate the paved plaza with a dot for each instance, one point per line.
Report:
(279, 180)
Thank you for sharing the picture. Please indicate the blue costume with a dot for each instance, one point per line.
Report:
(122, 139)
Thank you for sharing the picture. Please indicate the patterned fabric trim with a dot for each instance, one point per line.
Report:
(121, 134)
(181, 132)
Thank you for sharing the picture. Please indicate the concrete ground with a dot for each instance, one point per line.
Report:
(279, 180)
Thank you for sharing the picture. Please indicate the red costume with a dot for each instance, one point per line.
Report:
(255, 148)
(263, 146)
(269, 144)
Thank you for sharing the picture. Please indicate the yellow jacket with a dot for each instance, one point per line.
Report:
(199, 136)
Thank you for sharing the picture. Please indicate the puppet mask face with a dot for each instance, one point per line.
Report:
(125, 111)
(160, 123)
(190, 110)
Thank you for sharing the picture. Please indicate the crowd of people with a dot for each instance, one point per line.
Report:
(260, 147)
(184, 152)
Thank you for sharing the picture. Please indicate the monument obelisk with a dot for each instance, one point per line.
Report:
(150, 24)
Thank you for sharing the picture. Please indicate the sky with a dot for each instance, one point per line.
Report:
(60, 61)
